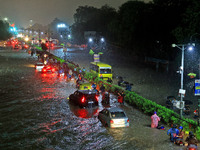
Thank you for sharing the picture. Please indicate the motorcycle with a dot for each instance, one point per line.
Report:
(192, 147)
(121, 82)
(179, 142)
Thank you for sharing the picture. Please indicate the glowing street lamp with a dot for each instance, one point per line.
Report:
(183, 47)
(6, 19)
(62, 25)
(90, 40)
(26, 39)
(102, 39)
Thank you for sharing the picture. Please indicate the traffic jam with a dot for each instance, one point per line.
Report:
(87, 96)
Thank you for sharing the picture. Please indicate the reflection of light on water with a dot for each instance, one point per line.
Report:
(50, 127)
(84, 112)
(48, 94)
(49, 75)
(118, 133)
(47, 90)
(30, 65)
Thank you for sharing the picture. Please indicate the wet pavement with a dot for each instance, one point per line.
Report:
(36, 114)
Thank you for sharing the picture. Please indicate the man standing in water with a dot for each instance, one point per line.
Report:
(154, 120)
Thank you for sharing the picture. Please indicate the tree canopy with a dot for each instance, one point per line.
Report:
(4, 30)
(146, 29)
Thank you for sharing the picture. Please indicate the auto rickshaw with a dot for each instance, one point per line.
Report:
(84, 85)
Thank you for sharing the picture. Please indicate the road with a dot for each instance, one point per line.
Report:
(35, 114)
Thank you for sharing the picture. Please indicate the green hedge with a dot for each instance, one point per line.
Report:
(147, 106)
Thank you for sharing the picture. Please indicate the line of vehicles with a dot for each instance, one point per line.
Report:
(87, 97)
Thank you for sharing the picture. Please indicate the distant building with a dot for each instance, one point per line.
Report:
(50, 31)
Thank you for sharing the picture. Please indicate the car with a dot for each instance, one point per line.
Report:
(84, 98)
(46, 69)
(81, 85)
(39, 66)
(113, 117)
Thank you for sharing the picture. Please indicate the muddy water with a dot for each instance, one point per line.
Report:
(35, 114)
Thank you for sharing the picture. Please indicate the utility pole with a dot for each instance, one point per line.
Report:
(182, 47)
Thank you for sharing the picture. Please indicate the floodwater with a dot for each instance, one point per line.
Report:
(36, 114)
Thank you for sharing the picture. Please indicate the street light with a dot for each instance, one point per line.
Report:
(183, 47)
(26, 39)
(90, 40)
(61, 25)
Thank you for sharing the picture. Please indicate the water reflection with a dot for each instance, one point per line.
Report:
(118, 133)
(51, 127)
(84, 112)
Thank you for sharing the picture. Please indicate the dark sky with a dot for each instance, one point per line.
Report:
(44, 11)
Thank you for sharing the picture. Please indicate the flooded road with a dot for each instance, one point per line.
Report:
(35, 114)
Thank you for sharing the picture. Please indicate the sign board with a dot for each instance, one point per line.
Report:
(96, 58)
(180, 105)
(197, 87)
(182, 91)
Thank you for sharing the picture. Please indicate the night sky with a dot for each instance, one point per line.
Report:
(44, 11)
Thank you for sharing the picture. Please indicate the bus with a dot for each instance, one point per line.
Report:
(103, 70)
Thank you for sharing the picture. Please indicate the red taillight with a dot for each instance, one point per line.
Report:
(44, 70)
(53, 70)
(52, 45)
(111, 121)
(97, 98)
(48, 67)
(192, 148)
(128, 120)
(83, 100)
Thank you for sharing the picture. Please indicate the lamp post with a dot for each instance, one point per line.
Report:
(182, 47)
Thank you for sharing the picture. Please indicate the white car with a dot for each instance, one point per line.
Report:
(39, 66)
(113, 117)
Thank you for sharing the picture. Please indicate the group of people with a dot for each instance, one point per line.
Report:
(106, 95)
(172, 104)
(176, 135)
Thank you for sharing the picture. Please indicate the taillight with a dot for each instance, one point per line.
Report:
(111, 121)
(128, 120)
(97, 98)
(83, 100)
(48, 67)
(53, 70)
(192, 148)
(44, 70)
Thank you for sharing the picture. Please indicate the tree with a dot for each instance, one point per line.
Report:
(4, 31)
(88, 18)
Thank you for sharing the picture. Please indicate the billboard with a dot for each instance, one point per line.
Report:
(197, 87)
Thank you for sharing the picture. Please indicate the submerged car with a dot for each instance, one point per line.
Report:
(46, 69)
(39, 66)
(113, 117)
(84, 98)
